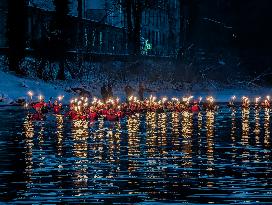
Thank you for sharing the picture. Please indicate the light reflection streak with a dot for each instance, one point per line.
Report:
(267, 134)
(210, 145)
(98, 147)
(134, 152)
(152, 154)
(175, 130)
(233, 135)
(41, 142)
(257, 129)
(151, 134)
(245, 126)
(245, 139)
(29, 134)
(187, 130)
(114, 146)
(59, 134)
(162, 133)
(267, 127)
(199, 133)
(80, 151)
(114, 140)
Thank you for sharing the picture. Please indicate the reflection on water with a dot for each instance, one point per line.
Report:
(134, 152)
(208, 157)
(267, 128)
(210, 146)
(151, 134)
(187, 128)
(59, 132)
(80, 152)
(245, 141)
(233, 126)
(175, 130)
(233, 136)
(257, 129)
(29, 134)
(245, 126)
(162, 133)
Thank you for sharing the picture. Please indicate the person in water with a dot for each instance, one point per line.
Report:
(195, 107)
(129, 91)
(109, 91)
(38, 115)
(141, 91)
(104, 93)
(72, 113)
(57, 107)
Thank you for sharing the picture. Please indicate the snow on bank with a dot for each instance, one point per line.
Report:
(221, 95)
(13, 88)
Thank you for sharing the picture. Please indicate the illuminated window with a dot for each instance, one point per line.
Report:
(100, 39)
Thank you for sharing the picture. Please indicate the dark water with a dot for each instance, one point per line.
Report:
(220, 158)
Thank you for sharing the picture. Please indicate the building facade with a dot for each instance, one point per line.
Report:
(103, 26)
(159, 23)
(160, 27)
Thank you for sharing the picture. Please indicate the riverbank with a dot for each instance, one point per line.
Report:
(14, 87)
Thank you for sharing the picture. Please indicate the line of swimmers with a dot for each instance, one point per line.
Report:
(113, 110)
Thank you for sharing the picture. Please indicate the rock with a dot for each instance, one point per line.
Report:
(19, 102)
(2, 98)
(82, 92)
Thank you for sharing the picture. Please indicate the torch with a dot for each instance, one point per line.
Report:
(30, 94)
(164, 100)
(60, 98)
(40, 97)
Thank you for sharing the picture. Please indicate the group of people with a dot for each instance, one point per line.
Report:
(113, 110)
(246, 104)
(129, 91)
(107, 91)
(41, 108)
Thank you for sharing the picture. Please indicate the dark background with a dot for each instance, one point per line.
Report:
(235, 31)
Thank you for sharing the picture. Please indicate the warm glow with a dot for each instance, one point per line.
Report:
(60, 98)
(30, 93)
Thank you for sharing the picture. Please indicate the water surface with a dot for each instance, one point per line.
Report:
(220, 158)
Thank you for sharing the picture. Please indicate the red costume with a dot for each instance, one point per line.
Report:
(57, 109)
(195, 108)
(93, 116)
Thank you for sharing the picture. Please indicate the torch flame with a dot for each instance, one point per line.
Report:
(61, 98)
(30, 93)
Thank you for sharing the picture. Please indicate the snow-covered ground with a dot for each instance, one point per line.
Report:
(13, 88)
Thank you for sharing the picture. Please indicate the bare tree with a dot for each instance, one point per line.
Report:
(16, 33)
(128, 14)
(60, 37)
(137, 26)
